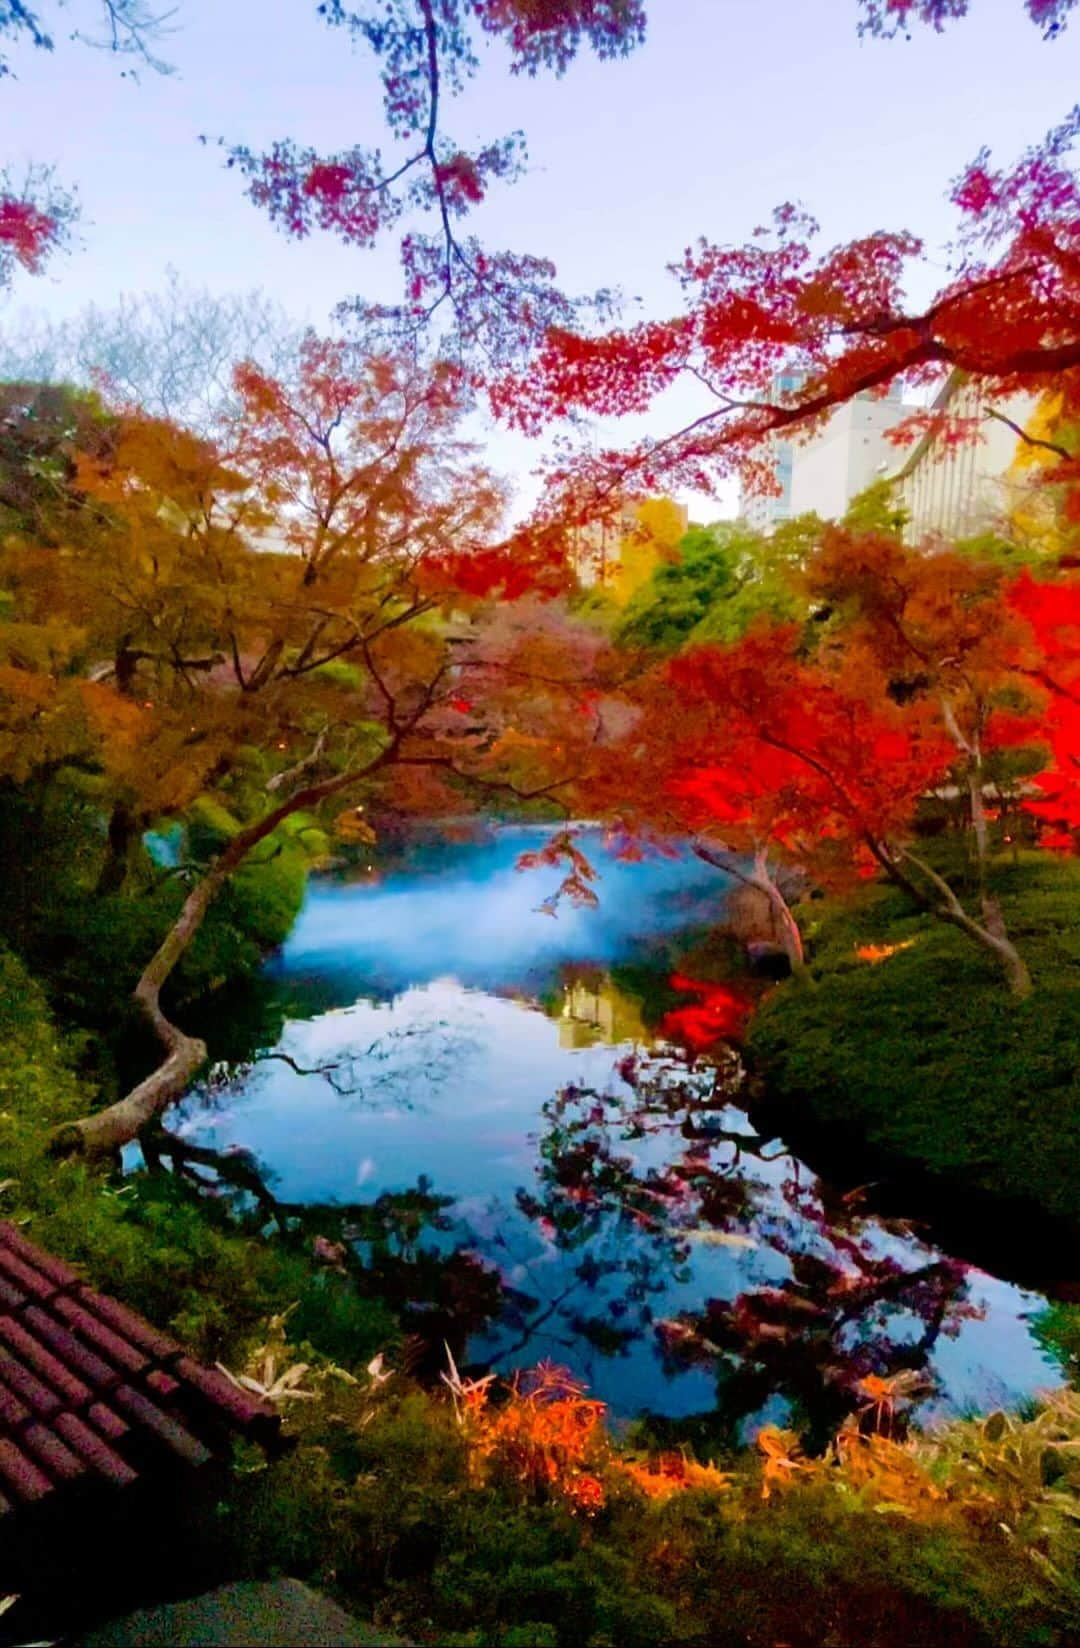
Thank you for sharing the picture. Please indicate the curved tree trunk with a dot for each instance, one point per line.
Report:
(762, 882)
(790, 936)
(107, 1131)
(990, 936)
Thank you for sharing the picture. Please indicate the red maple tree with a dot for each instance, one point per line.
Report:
(1052, 661)
(833, 321)
(836, 317)
(35, 221)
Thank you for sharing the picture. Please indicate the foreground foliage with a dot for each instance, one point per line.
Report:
(511, 1517)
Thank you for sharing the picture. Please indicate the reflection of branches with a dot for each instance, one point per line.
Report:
(327, 1071)
(235, 1168)
(662, 1172)
(533, 1326)
(347, 1075)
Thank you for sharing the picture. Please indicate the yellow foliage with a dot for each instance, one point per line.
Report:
(353, 829)
(659, 525)
(112, 716)
(48, 646)
(782, 1458)
(888, 1472)
(1041, 426)
(1035, 515)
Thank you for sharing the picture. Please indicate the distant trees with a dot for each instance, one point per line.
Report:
(169, 353)
(720, 579)
(813, 743)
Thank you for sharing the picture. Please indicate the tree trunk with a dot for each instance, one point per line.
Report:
(762, 881)
(124, 832)
(790, 936)
(948, 908)
(999, 945)
(124, 667)
(107, 1131)
(993, 917)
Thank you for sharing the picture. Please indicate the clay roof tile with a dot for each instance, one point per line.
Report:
(92, 1392)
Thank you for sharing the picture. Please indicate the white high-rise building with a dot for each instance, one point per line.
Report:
(823, 474)
(956, 488)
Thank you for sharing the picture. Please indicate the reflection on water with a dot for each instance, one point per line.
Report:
(594, 1009)
(642, 1232)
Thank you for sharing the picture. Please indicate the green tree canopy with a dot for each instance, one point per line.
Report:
(726, 575)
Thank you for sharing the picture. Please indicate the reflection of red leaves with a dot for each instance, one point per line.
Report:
(720, 1015)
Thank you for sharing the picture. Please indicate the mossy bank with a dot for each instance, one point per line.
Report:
(915, 1049)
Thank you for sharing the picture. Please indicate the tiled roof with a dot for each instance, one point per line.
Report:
(91, 1392)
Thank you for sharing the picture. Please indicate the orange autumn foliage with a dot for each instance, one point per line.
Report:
(881, 952)
(673, 1473)
(549, 1438)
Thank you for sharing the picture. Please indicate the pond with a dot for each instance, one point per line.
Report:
(438, 1027)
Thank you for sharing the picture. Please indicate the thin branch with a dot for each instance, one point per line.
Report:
(1029, 440)
(286, 778)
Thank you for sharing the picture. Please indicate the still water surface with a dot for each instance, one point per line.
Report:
(643, 1234)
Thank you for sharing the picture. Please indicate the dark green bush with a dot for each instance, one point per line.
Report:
(378, 1504)
(926, 1055)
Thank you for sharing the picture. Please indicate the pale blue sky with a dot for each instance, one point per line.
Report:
(731, 107)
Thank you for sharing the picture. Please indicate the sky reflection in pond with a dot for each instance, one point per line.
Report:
(640, 1241)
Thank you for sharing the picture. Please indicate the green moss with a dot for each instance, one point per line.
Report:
(1057, 1328)
(926, 1054)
